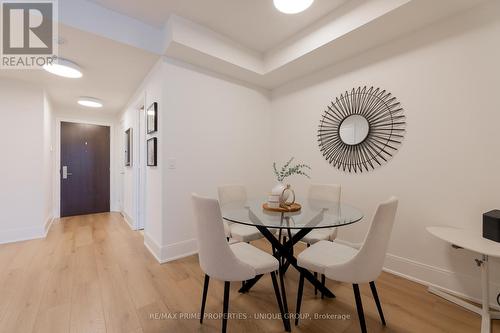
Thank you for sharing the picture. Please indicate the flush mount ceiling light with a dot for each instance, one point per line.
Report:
(65, 68)
(90, 102)
(292, 6)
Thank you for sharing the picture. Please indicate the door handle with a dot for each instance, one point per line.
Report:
(65, 172)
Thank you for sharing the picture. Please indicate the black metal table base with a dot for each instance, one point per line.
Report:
(285, 252)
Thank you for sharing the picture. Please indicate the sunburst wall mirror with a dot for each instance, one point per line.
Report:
(361, 129)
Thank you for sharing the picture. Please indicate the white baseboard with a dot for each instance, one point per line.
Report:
(170, 252)
(24, 234)
(179, 250)
(129, 220)
(464, 286)
(153, 247)
(48, 224)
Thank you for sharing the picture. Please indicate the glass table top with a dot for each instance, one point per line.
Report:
(315, 214)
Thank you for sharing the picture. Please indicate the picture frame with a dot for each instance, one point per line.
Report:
(152, 150)
(128, 146)
(152, 118)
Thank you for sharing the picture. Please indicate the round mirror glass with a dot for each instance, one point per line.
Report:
(354, 129)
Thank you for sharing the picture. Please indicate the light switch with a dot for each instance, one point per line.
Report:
(172, 163)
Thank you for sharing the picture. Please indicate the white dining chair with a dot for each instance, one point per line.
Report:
(324, 192)
(346, 264)
(239, 232)
(225, 262)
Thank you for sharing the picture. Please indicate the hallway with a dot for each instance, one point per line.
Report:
(93, 274)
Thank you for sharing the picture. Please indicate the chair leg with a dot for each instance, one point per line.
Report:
(278, 299)
(323, 283)
(377, 301)
(204, 298)
(225, 307)
(315, 289)
(299, 298)
(359, 307)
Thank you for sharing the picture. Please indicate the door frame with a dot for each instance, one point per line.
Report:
(57, 165)
(141, 172)
(139, 175)
(120, 169)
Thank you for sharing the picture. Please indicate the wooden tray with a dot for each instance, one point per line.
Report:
(291, 209)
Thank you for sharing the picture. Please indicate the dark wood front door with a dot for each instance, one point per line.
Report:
(85, 165)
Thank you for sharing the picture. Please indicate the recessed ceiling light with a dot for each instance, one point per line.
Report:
(90, 102)
(292, 6)
(64, 68)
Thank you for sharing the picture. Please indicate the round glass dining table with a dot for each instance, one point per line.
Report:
(314, 214)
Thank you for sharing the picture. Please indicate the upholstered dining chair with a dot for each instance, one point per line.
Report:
(346, 264)
(239, 232)
(323, 192)
(225, 262)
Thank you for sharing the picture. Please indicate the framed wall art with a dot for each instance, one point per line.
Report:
(152, 151)
(152, 118)
(128, 147)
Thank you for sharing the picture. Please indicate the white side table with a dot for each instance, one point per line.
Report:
(461, 238)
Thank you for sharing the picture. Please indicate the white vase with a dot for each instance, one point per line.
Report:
(278, 195)
(278, 189)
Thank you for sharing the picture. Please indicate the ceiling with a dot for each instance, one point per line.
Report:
(117, 42)
(255, 24)
(112, 71)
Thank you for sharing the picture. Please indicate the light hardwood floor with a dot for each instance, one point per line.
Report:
(93, 274)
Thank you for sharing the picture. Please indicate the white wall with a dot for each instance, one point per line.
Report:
(29, 199)
(24, 142)
(86, 114)
(206, 125)
(48, 161)
(216, 132)
(150, 91)
(154, 220)
(447, 78)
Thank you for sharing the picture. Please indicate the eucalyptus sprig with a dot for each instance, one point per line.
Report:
(287, 170)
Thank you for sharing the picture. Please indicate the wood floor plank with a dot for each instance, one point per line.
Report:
(87, 313)
(54, 319)
(10, 289)
(55, 308)
(119, 310)
(21, 313)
